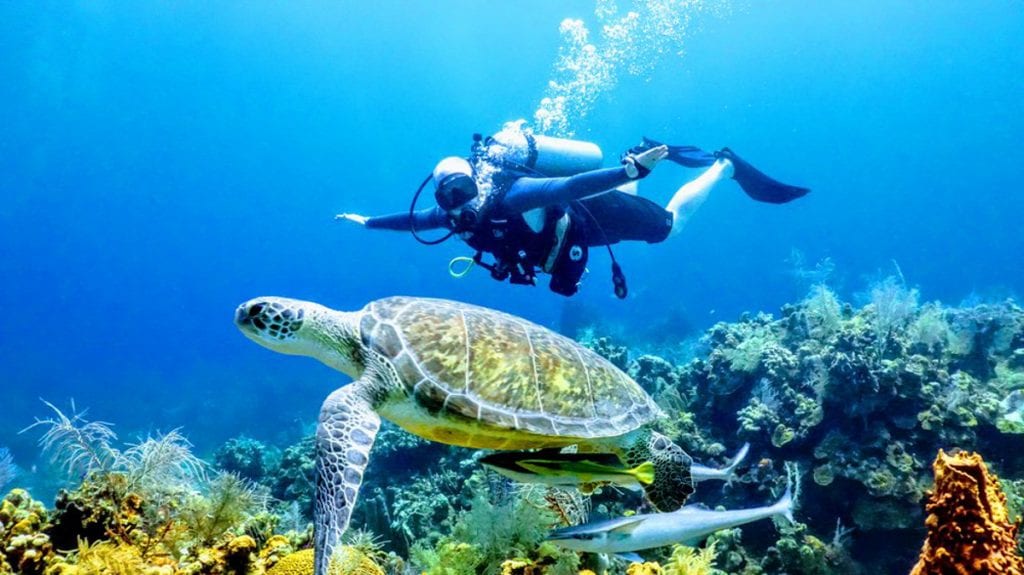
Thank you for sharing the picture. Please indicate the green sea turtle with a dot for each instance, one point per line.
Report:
(462, 375)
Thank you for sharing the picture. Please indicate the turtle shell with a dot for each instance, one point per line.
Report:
(459, 360)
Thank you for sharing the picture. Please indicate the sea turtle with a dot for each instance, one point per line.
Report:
(462, 375)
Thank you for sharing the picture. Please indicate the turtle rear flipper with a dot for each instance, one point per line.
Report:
(672, 483)
(344, 436)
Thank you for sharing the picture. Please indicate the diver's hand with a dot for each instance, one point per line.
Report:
(639, 165)
(651, 157)
(361, 220)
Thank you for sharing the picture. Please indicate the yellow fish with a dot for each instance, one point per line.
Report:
(568, 469)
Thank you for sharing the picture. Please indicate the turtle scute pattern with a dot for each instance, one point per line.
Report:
(502, 370)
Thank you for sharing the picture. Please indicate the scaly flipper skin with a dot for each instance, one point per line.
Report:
(344, 436)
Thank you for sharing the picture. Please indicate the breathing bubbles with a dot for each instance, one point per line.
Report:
(632, 41)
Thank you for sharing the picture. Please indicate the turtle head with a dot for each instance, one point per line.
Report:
(296, 327)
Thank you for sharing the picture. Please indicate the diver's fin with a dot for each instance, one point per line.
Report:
(686, 156)
(759, 185)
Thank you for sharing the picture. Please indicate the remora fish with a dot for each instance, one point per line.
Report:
(574, 469)
(700, 473)
(690, 524)
(567, 469)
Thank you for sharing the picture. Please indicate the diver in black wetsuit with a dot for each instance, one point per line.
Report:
(502, 201)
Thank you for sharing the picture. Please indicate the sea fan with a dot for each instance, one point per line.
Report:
(7, 468)
(228, 502)
(162, 464)
(368, 543)
(76, 444)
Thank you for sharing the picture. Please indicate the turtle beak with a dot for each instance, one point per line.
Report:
(244, 316)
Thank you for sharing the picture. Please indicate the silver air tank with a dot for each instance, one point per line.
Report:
(550, 156)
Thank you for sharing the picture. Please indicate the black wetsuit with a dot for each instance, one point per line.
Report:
(580, 211)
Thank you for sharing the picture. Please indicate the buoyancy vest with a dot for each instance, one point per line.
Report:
(519, 253)
(559, 248)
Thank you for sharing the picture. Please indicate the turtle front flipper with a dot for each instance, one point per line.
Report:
(344, 436)
(672, 483)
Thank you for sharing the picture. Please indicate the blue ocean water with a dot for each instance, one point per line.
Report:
(162, 162)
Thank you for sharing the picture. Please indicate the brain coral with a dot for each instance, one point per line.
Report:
(349, 562)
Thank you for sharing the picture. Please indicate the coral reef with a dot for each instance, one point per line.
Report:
(861, 398)
(501, 531)
(969, 529)
(24, 547)
(147, 508)
(348, 561)
(293, 480)
(795, 551)
(606, 348)
(689, 561)
(244, 457)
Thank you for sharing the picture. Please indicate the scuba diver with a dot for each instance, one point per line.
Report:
(538, 203)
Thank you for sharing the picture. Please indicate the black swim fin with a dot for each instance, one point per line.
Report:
(757, 184)
(754, 182)
(686, 156)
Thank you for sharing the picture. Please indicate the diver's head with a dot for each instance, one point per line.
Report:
(454, 185)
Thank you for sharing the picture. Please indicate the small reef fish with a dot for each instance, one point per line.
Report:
(591, 469)
(567, 469)
(690, 524)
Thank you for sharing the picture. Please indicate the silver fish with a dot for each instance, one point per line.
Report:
(690, 524)
(701, 473)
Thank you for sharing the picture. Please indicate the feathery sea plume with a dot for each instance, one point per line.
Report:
(7, 468)
(161, 463)
(226, 500)
(75, 444)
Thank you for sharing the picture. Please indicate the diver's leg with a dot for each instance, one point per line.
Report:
(692, 194)
(617, 216)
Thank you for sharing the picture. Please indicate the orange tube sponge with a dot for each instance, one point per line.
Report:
(969, 530)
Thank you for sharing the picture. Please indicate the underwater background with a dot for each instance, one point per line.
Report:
(160, 163)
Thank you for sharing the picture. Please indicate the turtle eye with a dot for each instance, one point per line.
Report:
(256, 309)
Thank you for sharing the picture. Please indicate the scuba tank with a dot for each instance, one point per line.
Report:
(553, 157)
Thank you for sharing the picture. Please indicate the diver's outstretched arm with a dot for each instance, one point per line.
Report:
(530, 193)
(425, 219)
